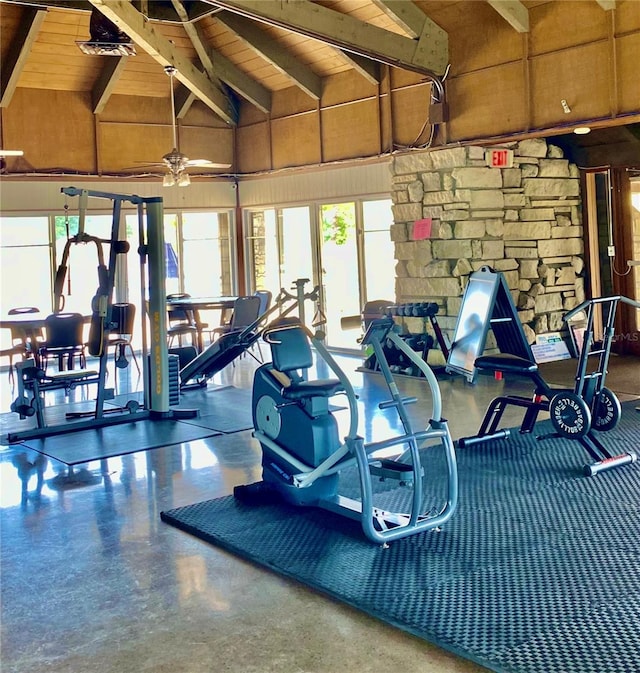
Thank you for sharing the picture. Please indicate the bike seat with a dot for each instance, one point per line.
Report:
(302, 390)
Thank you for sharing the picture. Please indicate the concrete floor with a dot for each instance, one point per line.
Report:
(93, 581)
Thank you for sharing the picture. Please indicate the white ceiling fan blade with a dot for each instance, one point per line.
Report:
(205, 163)
(11, 153)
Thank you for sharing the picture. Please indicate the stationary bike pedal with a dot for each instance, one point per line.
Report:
(392, 469)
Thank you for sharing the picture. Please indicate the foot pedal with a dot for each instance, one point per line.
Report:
(392, 469)
(259, 493)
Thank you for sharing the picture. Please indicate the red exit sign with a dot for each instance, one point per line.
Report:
(499, 158)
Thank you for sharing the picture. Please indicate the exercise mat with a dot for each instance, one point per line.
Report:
(538, 571)
(82, 446)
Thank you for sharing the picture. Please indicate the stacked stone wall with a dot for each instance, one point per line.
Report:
(524, 221)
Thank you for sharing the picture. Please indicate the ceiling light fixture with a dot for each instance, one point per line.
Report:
(11, 153)
(581, 130)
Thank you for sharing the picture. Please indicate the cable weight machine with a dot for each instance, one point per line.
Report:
(33, 380)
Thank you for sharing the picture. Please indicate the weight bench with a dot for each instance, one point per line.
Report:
(34, 380)
(575, 414)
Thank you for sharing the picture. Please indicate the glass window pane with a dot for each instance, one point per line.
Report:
(206, 254)
(83, 259)
(22, 231)
(339, 270)
(378, 215)
(24, 244)
(297, 252)
(172, 253)
(379, 254)
(17, 292)
(263, 250)
(200, 226)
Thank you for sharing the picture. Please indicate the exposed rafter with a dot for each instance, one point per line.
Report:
(240, 82)
(154, 10)
(280, 58)
(428, 55)
(219, 68)
(369, 69)
(514, 12)
(184, 98)
(18, 52)
(107, 81)
(134, 24)
(198, 40)
(404, 13)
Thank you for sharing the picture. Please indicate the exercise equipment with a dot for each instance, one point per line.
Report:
(156, 376)
(421, 342)
(577, 413)
(486, 304)
(231, 345)
(303, 456)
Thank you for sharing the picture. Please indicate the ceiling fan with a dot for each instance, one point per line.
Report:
(176, 162)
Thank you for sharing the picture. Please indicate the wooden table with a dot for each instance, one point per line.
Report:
(28, 327)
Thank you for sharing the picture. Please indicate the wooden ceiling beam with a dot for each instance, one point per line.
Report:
(240, 82)
(134, 24)
(154, 11)
(184, 99)
(103, 88)
(218, 68)
(514, 12)
(428, 55)
(14, 61)
(263, 44)
(405, 14)
(369, 69)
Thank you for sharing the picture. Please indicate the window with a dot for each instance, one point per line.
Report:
(25, 262)
(279, 248)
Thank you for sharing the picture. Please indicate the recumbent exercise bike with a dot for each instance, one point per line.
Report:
(303, 455)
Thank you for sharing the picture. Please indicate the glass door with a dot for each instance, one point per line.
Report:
(279, 247)
(340, 271)
(346, 249)
(358, 265)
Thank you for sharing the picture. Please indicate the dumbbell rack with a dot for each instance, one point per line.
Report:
(427, 311)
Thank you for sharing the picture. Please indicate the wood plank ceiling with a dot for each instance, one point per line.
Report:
(228, 52)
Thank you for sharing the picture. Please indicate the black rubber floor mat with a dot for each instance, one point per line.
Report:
(538, 571)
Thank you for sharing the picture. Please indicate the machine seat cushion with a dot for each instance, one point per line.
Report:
(505, 362)
(304, 389)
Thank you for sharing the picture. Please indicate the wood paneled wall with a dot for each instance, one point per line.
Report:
(501, 84)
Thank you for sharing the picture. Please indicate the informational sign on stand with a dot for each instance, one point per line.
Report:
(549, 348)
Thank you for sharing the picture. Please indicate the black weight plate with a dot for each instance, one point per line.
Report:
(606, 411)
(570, 415)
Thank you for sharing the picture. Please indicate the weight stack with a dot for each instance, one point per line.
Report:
(174, 379)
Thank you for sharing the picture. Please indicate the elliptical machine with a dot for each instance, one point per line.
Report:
(303, 455)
